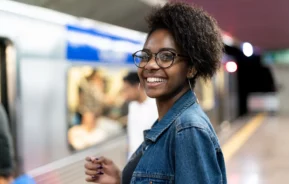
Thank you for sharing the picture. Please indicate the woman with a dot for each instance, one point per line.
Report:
(184, 44)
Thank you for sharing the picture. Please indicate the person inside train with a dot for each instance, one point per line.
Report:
(184, 44)
(140, 106)
(92, 93)
(92, 130)
(94, 127)
(6, 149)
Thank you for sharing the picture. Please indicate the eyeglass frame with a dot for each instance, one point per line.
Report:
(155, 54)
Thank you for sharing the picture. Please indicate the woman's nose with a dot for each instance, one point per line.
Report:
(152, 64)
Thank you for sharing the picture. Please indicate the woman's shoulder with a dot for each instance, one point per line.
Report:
(195, 117)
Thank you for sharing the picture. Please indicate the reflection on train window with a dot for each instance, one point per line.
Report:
(96, 108)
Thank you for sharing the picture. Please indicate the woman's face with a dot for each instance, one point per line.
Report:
(168, 82)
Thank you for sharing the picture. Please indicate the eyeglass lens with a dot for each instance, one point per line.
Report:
(164, 58)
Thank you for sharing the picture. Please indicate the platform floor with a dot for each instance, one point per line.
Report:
(262, 157)
(255, 148)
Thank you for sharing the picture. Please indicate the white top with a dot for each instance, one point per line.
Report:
(141, 116)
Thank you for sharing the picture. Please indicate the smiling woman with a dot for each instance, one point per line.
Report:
(166, 85)
(184, 44)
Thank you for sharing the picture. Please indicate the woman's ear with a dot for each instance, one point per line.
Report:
(191, 73)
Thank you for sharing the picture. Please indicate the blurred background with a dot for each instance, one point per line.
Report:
(63, 60)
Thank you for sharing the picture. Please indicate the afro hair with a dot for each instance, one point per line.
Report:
(195, 32)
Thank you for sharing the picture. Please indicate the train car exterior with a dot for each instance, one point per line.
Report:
(38, 46)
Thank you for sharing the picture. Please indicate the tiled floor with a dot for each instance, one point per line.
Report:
(264, 158)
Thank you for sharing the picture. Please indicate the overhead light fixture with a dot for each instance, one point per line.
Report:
(231, 66)
(228, 40)
(247, 49)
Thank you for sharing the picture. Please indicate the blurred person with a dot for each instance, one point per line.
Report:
(91, 94)
(184, 43)
(87, 133)
(93, 129)
(142, 111)
(90, 107)
(6, 149)
(24, 179)
(7, 163)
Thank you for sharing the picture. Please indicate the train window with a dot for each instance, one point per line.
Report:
(96, 109)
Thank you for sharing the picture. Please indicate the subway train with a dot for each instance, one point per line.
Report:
(45, 58)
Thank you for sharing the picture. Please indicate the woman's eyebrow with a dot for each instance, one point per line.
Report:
(167, 49)
(144, 49)
(161, 49)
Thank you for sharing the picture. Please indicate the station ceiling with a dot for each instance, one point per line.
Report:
(264, 23)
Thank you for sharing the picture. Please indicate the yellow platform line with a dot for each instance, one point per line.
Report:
(236, 142)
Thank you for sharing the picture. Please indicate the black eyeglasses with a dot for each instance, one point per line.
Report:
(163, 58)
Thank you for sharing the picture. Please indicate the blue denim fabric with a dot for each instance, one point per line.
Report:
(182, 148)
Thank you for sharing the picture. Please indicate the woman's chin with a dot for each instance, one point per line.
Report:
(152, 94)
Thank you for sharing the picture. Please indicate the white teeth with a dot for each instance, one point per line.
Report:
(154, 79)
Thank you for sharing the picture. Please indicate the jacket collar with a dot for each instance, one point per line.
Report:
(184, 102)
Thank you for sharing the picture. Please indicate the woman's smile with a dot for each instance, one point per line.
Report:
(154, 82)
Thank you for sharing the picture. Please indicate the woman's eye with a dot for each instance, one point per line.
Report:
(166, 57)
(144, 57)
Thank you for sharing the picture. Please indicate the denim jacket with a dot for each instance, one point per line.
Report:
(182, 148)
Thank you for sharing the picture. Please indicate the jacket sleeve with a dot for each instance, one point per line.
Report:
(197, 160)
(6, 146)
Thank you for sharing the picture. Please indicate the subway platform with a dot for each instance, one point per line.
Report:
(258, 151)
(255, 149)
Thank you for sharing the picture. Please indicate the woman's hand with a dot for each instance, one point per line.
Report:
(101, 170)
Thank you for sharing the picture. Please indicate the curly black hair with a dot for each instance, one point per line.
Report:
(195, 32)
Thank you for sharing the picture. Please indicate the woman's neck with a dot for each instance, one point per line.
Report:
(165, 104)
(142, 97)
